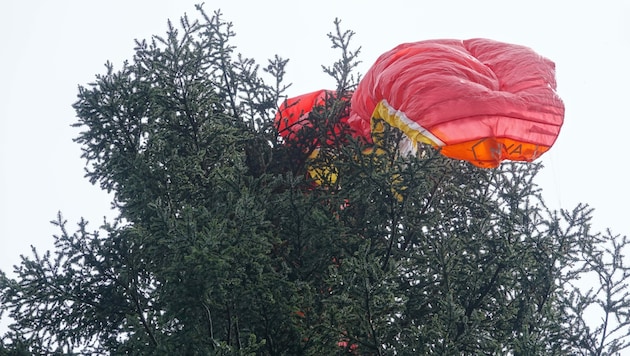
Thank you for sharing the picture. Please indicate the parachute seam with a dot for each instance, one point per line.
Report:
(412, 124)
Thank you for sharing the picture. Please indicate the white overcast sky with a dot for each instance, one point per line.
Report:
(47, 48)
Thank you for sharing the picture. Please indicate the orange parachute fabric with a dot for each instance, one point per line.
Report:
(293, 114)
(477, 100)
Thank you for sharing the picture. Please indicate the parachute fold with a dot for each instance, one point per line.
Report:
(477, 100)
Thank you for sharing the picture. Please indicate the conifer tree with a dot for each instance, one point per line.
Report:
(225, 245)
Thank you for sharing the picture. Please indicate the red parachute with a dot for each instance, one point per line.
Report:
(477, 100)
(293, 114)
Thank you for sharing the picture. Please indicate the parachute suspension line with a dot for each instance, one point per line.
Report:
(554, 177)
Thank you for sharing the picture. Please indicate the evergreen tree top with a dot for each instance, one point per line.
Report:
(225, 245)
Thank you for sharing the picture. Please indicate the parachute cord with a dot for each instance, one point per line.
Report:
(554, 176)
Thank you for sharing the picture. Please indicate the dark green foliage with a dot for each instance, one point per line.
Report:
(225, 246)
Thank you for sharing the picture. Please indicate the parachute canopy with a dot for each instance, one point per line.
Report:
(477, 100)
(293, 114)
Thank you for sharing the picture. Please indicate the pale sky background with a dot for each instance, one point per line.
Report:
(47, 48)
